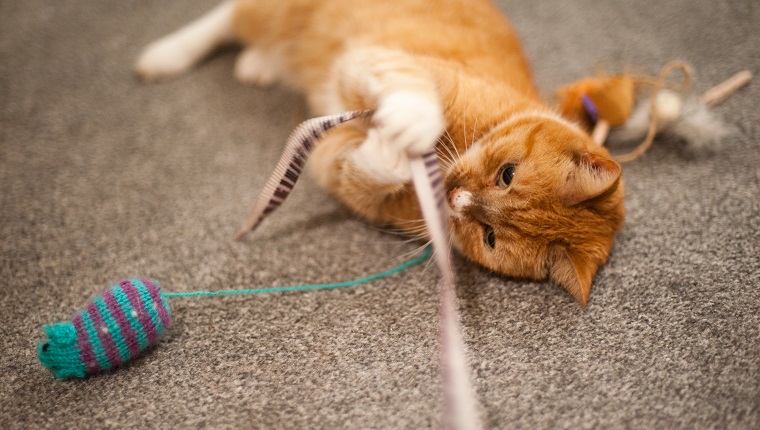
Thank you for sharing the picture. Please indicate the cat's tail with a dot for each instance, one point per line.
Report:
(177, 52)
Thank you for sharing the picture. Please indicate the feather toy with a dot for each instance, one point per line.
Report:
(607, 103)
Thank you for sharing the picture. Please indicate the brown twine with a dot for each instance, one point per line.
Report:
(657, 84)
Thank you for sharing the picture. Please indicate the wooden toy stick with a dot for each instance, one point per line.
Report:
(720, 92)
(601, 130)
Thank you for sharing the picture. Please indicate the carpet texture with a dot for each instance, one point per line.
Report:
(105, 178)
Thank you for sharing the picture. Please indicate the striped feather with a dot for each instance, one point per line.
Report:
(297, 149)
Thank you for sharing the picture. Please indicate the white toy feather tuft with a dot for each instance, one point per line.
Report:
(687, 120)
(699, 126)
(636, 127)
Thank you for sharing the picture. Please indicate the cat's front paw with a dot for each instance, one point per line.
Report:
(380, 161)
(409, 122)
(405, 124)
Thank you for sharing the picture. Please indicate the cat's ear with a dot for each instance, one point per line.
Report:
(590, 176)
(573, 272)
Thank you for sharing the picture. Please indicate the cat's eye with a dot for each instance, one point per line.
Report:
(489, 237)
(506, 173)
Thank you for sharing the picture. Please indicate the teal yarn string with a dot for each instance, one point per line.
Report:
(123, 321)
(425, 255)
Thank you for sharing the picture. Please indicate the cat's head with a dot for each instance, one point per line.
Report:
(536, 198)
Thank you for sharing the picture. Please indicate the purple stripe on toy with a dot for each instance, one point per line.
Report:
(86, 355)
(590, 107)
(145, 321)
(155, 294)
(130, 337)
(104, 335)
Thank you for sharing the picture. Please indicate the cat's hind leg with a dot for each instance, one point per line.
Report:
(177, 52)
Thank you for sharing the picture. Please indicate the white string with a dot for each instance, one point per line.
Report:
(459, 397)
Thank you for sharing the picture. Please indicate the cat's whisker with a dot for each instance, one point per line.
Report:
(446, 167)
(448, 136)
(409, 228)
(448, 149)
(431, 260)
(443, 151)
(446, 161)
(417, 232)
(401, 221)
(457, 151)
(464, 130)
(453, 145)
(397, 236)
(452, 155)
(474, 131)
(444, 135)
(399, 243)
(416, 251)
(413, 229)
(417, 223)
(408, 235)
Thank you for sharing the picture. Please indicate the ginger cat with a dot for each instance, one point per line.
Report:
(530, 195)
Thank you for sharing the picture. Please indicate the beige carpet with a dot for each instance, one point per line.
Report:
(103, 178)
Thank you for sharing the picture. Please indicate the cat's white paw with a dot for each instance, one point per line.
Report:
(381, 161)
(164, 57)
(179, 51)
(410, 122)
(256, 68)
(405, 123)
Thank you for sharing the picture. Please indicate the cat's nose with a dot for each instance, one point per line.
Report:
(450, 196)
(458, 199)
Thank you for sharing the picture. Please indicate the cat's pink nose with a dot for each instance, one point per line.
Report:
(450, 196)
(458, 199)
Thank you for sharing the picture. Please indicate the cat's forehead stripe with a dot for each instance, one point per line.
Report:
(547, 115)
(530, 141)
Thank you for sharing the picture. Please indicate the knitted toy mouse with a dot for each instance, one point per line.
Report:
(114, 327)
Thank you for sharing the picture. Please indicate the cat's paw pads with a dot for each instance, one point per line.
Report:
(381, 161)
(163, 58)
(410, 122)
(255, 68)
